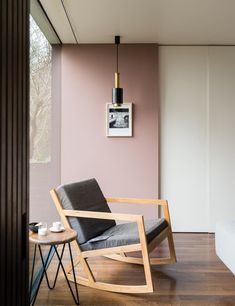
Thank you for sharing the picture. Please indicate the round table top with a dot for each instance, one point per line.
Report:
(67, 235)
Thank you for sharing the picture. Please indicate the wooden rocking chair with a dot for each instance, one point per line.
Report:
(83, 207)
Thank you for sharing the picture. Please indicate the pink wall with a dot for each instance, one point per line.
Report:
(125, 167)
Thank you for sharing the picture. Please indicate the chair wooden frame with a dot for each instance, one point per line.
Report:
(119, 253)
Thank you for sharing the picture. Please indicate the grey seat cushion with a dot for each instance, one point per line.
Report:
(85, 195)
(124, 234)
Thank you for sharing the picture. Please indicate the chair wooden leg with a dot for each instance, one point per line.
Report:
(153, 261)
(90, 281)
(147, 270)
(80, 260)
(171, 247)
(76, 262)
(145, 255)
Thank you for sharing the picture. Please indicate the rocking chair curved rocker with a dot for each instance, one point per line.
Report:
(83, 207)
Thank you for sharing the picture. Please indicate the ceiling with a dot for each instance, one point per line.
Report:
(199, 22)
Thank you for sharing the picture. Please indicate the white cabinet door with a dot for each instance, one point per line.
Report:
(198, 135)
(222, 134)
(184, 135)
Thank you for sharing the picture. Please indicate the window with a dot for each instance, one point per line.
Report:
(40, 95)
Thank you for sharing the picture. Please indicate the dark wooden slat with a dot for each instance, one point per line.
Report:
(19, 136)
(9, 162)
(14, 113)
(15, 150)
(3, 150)
(25, 146)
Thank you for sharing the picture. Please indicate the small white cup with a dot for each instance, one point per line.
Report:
(42, 229)
(57, 225)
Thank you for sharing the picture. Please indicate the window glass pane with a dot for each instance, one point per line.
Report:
(40, 95)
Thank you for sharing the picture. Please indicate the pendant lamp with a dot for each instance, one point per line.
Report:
(117, 94)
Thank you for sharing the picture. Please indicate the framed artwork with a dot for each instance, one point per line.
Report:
(119, 120)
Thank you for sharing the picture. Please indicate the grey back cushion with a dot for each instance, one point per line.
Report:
(85, 195)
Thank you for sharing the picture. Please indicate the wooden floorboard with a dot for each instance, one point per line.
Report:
(198, 278)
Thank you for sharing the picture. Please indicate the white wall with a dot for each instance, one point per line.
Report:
(197, 144)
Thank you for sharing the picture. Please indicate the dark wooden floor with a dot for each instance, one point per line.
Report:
(199, 278)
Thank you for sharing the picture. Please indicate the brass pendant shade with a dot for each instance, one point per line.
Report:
(117, 93)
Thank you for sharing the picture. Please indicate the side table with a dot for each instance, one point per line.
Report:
(53, 240)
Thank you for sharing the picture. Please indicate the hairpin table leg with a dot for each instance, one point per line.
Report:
(44, 271)
(76, 299)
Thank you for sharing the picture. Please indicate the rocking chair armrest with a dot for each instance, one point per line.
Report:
(159, 202)
(139, 219)
(101, 215)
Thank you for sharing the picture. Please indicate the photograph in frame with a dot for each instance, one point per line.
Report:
(119, 120)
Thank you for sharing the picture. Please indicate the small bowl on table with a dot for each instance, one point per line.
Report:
(33, 226)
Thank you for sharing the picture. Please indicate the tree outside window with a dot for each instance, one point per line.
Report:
(40, 95)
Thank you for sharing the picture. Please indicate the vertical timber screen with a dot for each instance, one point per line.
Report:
(14, 143)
